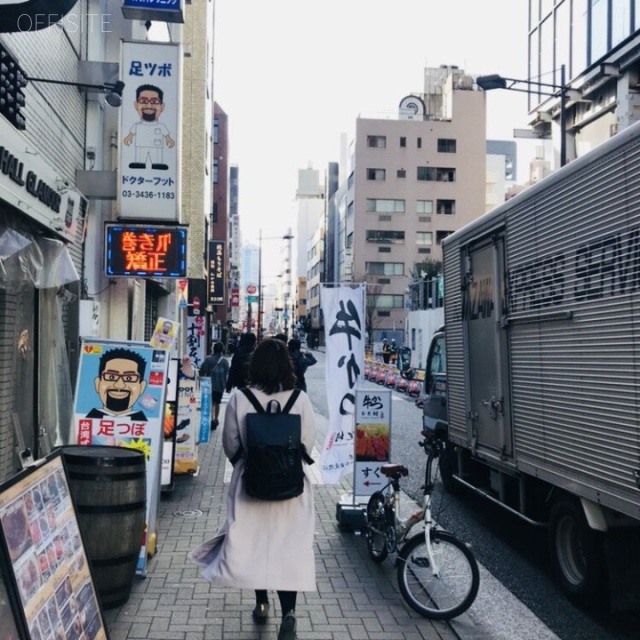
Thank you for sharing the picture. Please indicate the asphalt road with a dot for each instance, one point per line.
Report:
(517, 588)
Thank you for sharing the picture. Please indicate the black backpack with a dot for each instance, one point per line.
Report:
(274, 451)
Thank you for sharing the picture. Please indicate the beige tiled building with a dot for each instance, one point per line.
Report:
(414, 178)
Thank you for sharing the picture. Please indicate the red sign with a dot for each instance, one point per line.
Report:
(235, 297)
(252, 289)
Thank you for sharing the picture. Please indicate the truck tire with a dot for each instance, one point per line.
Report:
(577, 553)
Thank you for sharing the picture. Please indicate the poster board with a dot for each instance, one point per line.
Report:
(120, 401)
(169, 427)
(373, 439)
(47, 574)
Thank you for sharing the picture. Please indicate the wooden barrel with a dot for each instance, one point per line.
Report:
(108, 489)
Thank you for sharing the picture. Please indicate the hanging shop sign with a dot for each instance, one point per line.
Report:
(216, 272)
(120, 401)
(145, 251)
(149, 140)
(160, 10)
(32, 186)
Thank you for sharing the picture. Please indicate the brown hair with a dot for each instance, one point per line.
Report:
(270, 367)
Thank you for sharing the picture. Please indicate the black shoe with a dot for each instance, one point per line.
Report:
(261, 613)
(288, 627)
(137, 165)
(160, 166)
(214, 424)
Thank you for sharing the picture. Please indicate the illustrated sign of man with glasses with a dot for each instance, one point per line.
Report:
(120, 382)
(149, 135)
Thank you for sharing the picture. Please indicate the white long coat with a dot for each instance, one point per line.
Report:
(262, 544)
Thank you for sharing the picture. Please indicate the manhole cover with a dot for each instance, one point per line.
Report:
(188, 513)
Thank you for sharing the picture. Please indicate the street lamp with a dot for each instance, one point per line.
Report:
(260, 239)
(495, 81)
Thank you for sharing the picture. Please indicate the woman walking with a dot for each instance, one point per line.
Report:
(264, 545)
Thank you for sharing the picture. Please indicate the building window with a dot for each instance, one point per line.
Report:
(436, 174)
(446, 145)
(350, 181)
(424, 206)
(385, 237)
(380, 205)
(376, 174)
(215, 171)
(378, 142)
(419, 143)
(445, 207)
(350, 209)
(349, 241)
(403, 141)
(216, 127)
(384, 268)
(389, 301)
(384, 249)
(214, 213)
(401, 173)
(441, 235)
(424, 238)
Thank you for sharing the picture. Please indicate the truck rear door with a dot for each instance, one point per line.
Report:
(484, 309)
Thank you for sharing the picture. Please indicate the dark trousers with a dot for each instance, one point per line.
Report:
(287, 599)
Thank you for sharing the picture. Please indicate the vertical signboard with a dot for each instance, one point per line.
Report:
(344, 320)
(120, 401)
(372, 441)
(149, 140)
(216, 272)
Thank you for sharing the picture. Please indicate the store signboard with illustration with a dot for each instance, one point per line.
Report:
(149, 140)
(373, 439)
(46, 586)
(119, 401)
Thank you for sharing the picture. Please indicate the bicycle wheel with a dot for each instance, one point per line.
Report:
(452, 591)
(377, 527)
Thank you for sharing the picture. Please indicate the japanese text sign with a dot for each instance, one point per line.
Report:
(149, 140)
(119, 401)
(160, 10)
(373, 439)
(216, 272)
(343, 310)
(144, 251)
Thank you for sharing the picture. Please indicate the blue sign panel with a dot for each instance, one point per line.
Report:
(162, 10)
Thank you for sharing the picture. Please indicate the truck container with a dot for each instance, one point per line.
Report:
(538, 395)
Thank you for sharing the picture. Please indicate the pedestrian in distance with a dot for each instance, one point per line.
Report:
(216, 367)
(264, 544)
(239, 369)
(301, 361)
(386, 351)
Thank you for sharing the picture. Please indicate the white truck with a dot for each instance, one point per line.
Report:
(538, 396)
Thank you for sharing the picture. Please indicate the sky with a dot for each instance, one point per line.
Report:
(293, 75)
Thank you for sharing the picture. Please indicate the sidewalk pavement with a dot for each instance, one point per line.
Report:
(356, 598)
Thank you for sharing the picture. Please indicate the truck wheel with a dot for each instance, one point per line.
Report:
(577, 553)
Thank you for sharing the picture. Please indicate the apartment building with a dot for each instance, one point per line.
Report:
(414, 178)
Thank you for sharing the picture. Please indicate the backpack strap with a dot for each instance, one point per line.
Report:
(253, 400)
(291, 401)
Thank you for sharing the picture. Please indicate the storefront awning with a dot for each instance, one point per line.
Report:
(44, 262)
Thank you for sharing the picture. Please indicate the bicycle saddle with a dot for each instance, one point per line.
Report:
(394, 470)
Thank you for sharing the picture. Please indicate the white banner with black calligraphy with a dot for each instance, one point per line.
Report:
(344, 321)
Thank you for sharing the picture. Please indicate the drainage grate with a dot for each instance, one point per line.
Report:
(188, 513)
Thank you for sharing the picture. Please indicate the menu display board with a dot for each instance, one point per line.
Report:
(47, 573)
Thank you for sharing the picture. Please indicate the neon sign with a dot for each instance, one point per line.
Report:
(141, 251)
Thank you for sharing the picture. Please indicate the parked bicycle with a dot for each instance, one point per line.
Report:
(437, 573)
